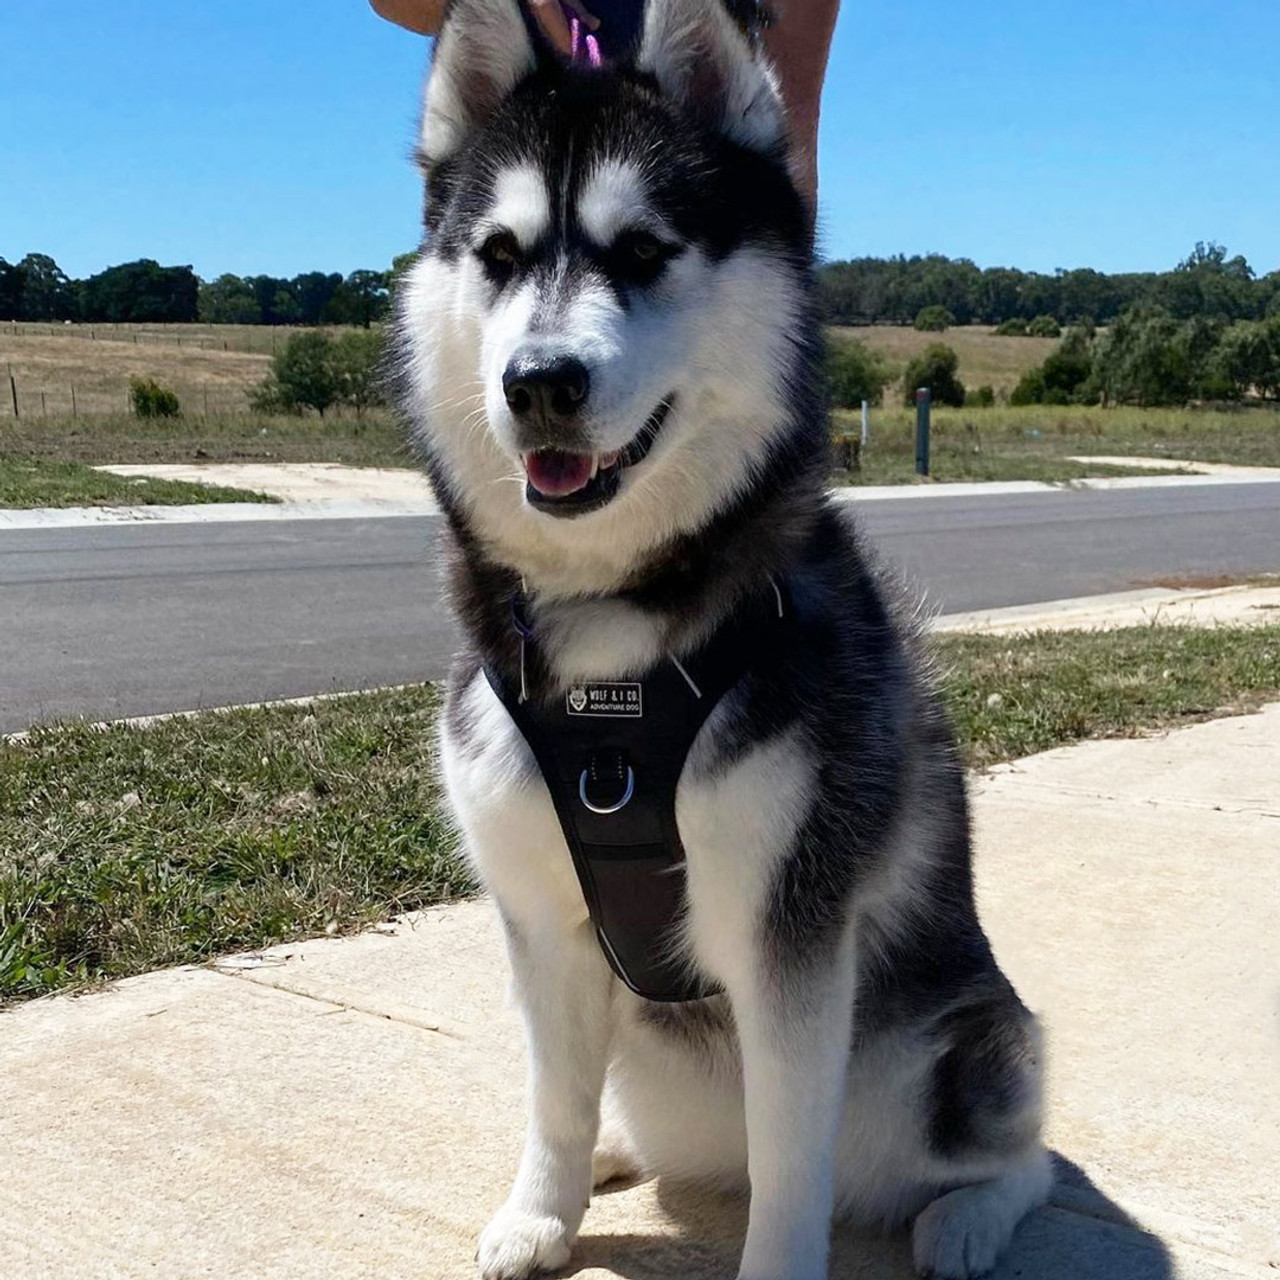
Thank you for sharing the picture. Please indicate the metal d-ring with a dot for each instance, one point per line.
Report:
(612, 808)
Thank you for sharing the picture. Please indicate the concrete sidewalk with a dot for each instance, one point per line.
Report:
(352, 1107)
(1247, 605)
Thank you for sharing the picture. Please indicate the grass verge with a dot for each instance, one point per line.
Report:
(1036, 442)
(1012, 696)
(373, 439)
(950, 466)
(131, 848)
(39, 482)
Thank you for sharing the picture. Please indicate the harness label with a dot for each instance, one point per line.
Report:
(623, 700)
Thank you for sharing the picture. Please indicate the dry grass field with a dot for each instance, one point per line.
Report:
(255, 338)
(985, 359)
(50, 370)
(211, 367)
(213, 370)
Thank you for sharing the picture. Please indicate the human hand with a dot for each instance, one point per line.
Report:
(552, 21)
(424, 16)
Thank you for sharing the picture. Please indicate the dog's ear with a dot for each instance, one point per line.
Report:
(482, 53)
(703, 61)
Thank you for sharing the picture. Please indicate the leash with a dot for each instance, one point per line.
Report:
(611, 753)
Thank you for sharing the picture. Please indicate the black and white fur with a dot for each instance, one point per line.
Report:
(867, 1056)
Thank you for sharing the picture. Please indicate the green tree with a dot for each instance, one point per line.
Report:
(11, 289)
(228, 300)
(855, 373)
(312, 292)
(360, 299)
(356, 358)
(303, 376)
(47, 292)
(151, 400)
(400, 264)
(1030, 388)
(1064, 378)
(998, 295)
(1247, 359)
(1044, 327)
(935, 368)
(1197, 342)
(934, 319)
(1140, 360)
(142, 292)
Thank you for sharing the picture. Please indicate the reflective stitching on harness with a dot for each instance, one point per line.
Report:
(697, 693)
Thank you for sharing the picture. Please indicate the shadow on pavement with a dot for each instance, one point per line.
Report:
(1080, 1235)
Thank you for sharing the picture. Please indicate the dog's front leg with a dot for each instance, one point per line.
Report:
(794, 1022)
(563, 987)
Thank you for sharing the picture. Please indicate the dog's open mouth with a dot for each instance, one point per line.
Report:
(571, 484)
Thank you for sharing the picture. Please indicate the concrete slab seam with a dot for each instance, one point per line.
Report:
(336, 995)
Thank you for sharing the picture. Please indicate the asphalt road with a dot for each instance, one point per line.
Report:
(132, 620)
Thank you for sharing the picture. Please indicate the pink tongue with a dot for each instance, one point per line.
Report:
(555, 474)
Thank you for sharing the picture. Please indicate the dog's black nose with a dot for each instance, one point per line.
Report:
(546, 388)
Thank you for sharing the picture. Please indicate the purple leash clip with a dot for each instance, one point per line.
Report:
(583, 46)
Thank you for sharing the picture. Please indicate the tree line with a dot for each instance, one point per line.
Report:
(1145, 357)
(1207, 283)
(144, 292)
(1150, 357)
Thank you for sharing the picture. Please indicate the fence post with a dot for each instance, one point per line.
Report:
(73, 400)
(866, 424)
(13, 391)
(923, 398)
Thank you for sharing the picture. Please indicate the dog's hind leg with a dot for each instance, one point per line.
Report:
(614, 1159)
(563, 986)
(984, 1119)
(963, 1233)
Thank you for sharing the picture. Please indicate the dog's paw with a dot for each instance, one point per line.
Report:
(516, 1245)
(959, 1236)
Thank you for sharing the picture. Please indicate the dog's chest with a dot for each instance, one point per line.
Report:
(735, 821)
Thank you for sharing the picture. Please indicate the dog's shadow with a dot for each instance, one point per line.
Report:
(1080, 1235)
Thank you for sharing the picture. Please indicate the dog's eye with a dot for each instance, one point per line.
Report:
(500, 254)
(642, 246)
(640, 256)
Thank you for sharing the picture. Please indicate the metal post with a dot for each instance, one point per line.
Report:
(73, 399)
(866, 424)
(13, 391)
(923, 398)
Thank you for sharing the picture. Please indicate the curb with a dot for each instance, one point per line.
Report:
(209, 513)
(374, 509)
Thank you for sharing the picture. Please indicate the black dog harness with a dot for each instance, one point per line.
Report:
(611, 753)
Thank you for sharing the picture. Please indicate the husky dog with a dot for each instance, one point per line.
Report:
(609, 355)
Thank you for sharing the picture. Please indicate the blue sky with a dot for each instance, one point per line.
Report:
(245, 136)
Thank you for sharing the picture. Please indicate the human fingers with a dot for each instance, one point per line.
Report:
(549, 15)
(592, 22)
